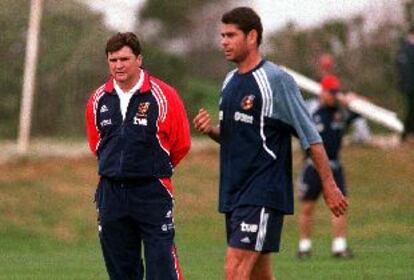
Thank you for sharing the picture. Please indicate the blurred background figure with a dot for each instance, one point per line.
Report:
(361, 132)
(332, 120)
(326, 65)
(405, 66)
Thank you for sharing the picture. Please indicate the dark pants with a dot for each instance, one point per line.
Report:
(133, 214)
(409, 115)
(310, 185)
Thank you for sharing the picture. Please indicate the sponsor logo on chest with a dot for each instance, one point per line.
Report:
(104, 109)
(106, 122)
(242, 117)
(142, 113)
(338, 121)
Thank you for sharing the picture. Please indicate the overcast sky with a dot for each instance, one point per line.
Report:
(305, 12)
(120, 14)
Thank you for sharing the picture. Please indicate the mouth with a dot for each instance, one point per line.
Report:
(227, 52)
(120, 76)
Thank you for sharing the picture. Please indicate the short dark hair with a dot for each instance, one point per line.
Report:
(246, 19)
(120, 40)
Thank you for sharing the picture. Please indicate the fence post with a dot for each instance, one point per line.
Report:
(29, 76)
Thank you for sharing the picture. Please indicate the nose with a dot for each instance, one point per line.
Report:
(224, 41)
(118, 64)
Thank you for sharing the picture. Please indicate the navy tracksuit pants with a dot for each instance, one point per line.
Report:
(136, 222)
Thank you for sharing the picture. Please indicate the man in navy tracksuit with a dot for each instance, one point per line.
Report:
(138, 129)
(332, 121)
(260, 108)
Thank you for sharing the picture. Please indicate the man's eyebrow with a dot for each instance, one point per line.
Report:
(119, 58)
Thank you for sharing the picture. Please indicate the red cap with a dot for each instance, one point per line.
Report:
(330, 82)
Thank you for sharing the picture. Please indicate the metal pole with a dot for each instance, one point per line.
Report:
(29, 75)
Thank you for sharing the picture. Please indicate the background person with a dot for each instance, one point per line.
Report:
(405, 64)
(331, 120)
(260, 108)
(361, 133)
(138, 129)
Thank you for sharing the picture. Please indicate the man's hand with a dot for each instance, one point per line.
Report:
(334, 199)
(202, 122)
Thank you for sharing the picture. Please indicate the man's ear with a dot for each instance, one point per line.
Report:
(252, 37)
(140, 59)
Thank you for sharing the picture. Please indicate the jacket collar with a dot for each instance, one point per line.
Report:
(146, 85)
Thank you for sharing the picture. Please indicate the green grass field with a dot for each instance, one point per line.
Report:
(48, 220)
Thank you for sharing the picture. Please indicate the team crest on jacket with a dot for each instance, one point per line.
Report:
(143, 108)
(247, 102)
(141, 116)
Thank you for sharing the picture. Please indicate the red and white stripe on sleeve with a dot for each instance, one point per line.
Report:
(92, 131)
(173, 126)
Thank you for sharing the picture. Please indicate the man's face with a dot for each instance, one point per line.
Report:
(234, 43)
(328, 98)
(124, 65)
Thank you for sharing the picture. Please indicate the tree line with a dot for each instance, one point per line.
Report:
(181, 46)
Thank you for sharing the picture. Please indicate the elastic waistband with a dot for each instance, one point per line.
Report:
(130, 182)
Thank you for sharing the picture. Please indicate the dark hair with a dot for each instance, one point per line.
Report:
(411, 29)
(246, 19)
(120, 40)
